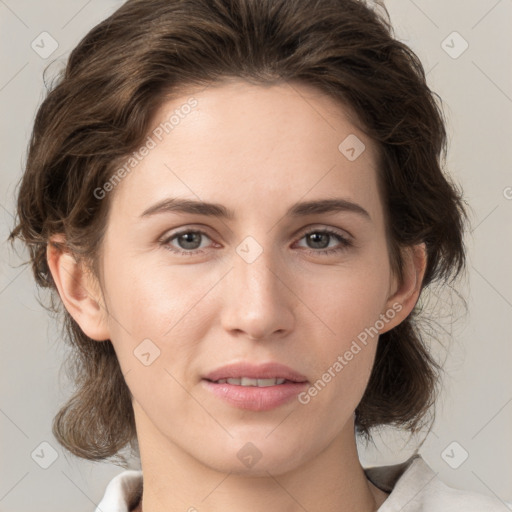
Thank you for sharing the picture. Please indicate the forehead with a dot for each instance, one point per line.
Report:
(249, 146)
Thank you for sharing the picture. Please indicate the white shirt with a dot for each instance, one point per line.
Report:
(413, 487)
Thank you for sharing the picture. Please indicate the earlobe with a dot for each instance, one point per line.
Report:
(78, 290)
(407, 293)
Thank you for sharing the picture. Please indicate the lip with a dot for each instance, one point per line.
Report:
(254, 398)
(262, 371)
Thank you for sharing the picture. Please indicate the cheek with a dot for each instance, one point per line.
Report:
(347, 301)
(155, 320)
(348, 308)
(150, 299)
(157, 310)
(344, 355)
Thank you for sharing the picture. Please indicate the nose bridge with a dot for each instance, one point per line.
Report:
(256, 269)
(258, 302)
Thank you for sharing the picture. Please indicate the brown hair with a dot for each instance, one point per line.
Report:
(100, 111)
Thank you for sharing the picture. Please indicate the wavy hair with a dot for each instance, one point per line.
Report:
(99, 111)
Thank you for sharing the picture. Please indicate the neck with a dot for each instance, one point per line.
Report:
(173, 480)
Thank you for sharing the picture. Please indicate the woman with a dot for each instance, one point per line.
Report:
(239, 204)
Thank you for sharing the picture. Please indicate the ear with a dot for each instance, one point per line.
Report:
(79, 290)
(403, 296)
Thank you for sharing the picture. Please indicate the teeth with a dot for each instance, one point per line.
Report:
(246, 381)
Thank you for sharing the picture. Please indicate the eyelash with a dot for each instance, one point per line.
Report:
(345, 242)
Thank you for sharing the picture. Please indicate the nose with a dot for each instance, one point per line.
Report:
(258, 300)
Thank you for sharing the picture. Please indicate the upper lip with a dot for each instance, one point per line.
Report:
(252, 371)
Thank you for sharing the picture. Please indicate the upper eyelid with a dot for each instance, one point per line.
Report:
(321, 227)
(299, 233)
(306, 229)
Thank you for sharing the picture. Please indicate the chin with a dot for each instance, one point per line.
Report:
(256, 456)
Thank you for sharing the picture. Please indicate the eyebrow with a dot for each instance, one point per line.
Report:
(300, 209)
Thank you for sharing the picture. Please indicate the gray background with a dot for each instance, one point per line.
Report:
(475, 410)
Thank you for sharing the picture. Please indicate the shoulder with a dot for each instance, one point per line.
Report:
(415, 487)
(122, 492)
(440, 496)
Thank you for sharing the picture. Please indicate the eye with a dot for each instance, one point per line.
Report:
(321, 238)
(189, 242)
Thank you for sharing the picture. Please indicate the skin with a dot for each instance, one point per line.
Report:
(257, 150)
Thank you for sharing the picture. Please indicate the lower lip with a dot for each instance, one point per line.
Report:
(254, 398)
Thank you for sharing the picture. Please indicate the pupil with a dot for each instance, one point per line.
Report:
(316, 237)
(187, 240)
(319, 240)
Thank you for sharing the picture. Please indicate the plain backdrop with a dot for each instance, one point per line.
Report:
(465, 47)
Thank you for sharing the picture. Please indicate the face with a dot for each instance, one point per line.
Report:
(189, 291)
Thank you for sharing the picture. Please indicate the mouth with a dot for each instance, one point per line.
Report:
(248, 382)
(249, 374)
(255, 388)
